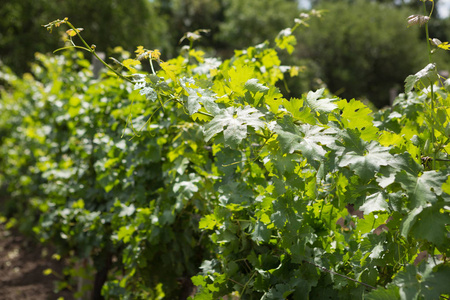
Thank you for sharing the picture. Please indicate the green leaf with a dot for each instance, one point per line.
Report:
(407, 283)
(299, 111)
(254, 86)
(305, 138)
(285, 40)
(208, 222)
(289, 134)
(421, 189)
(261, 232)
(356, 115)
(279, 219)
(377, 251)
(391, 293)
(367, 161)
(320, 106)
(198, 96)
(127, 210)
(431, 225)
(284, 163)
(280, 291)
(375, 202)
(235, 194)
(436, 281)
(313, 139)
(186, 186)
(409, 221)
(427, 281)
(400, 162)
(426, 76)
(446, 186)
(125, 233)
(272, 99)
(238, 78)
(233, 123)
(198, 280)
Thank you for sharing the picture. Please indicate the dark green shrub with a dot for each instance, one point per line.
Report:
(364, 49)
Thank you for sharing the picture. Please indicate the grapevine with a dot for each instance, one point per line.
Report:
(228, 188)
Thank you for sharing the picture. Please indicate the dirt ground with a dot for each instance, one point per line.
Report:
(22, 263)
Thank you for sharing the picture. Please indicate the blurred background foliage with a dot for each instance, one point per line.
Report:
(107, 23)
(363, 49)
(359, 49)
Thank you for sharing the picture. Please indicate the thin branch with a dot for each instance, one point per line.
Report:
(238, 283)
(262, 135)
(334, 273)
(91, 49)
(246, 284)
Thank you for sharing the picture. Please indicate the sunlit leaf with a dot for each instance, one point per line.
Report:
(233, 123)
(426, 76)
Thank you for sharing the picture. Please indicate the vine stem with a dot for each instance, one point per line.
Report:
(334, 273)
(426, 30)
(430, 60)
(262, 135)
(151, 65)
(92, 51)
(238, 283)
(246, 284)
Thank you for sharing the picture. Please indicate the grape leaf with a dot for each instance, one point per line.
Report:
(427, 76)
(289, 135)
(356, 114)
(436, 281)
(446, 186)
(377, 251)
(238, 78)
(285, 40)
(127, 210)
(314, 137)
(198, 96)
(390, 293)
(186, 186)
(407, 283)
(208, 222)
(421, 188)
(410, 220)
(233, 123)
(299, 111)
(170, 70)
(198, 280)
(261, 233)
(254, 86)
(272, 99)
(279, 219)
(365, 162)
(305, 138)
(400, 162)
(280, 291)
(422, 281)
(129, 63)
(431, 226)
(374, 202)
(320, 106)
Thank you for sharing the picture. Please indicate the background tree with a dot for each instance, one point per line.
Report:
(363, 49)
(108, 23)
(252, 22)
(355, 53)
(233, 24)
